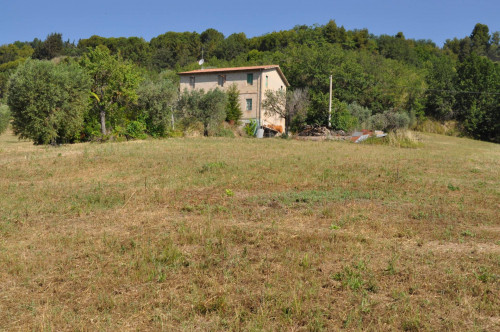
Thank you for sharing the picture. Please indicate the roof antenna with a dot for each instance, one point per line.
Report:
(202, 61)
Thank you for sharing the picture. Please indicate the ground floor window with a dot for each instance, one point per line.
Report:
(249, 104)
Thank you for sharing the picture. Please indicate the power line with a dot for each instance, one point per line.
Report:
(428, 89)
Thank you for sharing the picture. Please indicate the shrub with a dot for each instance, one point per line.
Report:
(251, 128)
(361, 113)
(342, 118)
(136, 130)
(389, 120)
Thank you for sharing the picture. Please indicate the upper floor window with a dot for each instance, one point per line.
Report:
(250, 79)
(191, 81)
(267, 81)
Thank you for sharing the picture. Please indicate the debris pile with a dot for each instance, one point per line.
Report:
(310, 130)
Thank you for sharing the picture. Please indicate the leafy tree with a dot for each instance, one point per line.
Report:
(209, 108)
(441, 78)
(156, 102)
(233, 108)
(480, 38)
(114, 85)
(175, 49)
(211, 41)
(52, 47)
(341, 117)
(48, 101)
(234, 45)
(477, 106)
(11, 56)
(135, 49)
(286, 105)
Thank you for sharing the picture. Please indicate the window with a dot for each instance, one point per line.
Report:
(250, 79)
(267, 81)
(191, 81)
(222, 80)
(249, 104)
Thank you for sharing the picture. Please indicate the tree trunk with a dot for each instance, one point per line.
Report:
(287, 124)
(103, 122)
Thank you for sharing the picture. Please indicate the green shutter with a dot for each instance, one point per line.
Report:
(250, 79)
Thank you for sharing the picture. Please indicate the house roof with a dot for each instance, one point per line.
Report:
(232, 69)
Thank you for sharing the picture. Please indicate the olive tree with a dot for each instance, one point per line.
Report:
(156, 102)
(208, 108)
(48, 101)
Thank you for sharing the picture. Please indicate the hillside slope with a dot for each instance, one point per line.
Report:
(247, 234)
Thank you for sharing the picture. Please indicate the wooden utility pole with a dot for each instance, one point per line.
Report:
(330, 104)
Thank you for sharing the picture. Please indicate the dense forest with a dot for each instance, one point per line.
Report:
(379, 81)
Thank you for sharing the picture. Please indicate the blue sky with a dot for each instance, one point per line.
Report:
(420, 19)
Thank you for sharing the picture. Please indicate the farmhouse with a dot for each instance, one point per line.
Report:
(252, 82)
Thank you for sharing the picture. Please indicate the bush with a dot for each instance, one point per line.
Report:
(342, 118)
(4, 118)
(251, 128)
(48, 101)
(363, 114)
(389, 120)
(136, 130)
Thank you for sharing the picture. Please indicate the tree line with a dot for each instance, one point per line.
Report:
(379, 81)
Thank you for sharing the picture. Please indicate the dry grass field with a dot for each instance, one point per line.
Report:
(250, 235)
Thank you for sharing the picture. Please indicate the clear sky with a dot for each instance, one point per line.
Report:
(420, 19)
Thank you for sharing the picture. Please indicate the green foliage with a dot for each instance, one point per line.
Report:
(11, 56)
(174, 49)
(233, 108)
(48, 101)
(5, 117)
(136, 130)
(441, 78)
(208, 108)
(478, 108)
(389, 120)
(156, 102)
(251, 127)
(134, 49)
(52, 47)
(115, 83)
(342, 118)
(363, 114)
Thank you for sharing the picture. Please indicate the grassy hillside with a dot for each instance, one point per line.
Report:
(247, 234)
